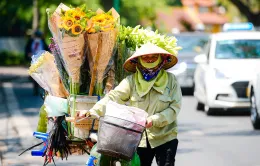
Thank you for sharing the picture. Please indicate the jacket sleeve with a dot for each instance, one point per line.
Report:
(120, 94)
(170, 114)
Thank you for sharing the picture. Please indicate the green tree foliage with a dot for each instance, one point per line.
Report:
(250, 9)
(132, 12)
(173, 2)
(16, 15)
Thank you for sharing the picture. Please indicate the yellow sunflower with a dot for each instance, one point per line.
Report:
(99, 18)
(76, 29)
(69, 13)
(109, 17)
(78, 14)
(67, 23)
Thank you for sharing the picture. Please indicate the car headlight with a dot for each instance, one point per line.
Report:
(220, 75)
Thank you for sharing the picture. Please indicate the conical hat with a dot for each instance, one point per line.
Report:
(147, 49)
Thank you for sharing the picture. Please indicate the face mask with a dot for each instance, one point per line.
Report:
(149, 65)
(150, 73)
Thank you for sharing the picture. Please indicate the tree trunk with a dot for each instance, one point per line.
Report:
(252, 17)
(35, 23)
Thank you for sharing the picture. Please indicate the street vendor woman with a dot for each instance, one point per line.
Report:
(157, 92)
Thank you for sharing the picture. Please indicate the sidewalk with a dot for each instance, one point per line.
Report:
(10, 132)
(11, 73)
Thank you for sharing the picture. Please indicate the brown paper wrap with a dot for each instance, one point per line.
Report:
(72, 51)
(55, 19)
(71, 48)
(102, 43)
(47, 76)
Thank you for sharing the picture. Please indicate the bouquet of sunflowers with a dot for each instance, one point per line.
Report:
(84, 35)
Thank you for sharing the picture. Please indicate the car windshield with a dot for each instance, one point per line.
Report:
(238, 49)
(192, 42)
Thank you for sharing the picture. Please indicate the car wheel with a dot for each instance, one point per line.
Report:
(208, 110)
(255, 119)
(200, 106)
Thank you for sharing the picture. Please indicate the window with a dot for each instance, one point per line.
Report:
(238, 49)
(191, 43)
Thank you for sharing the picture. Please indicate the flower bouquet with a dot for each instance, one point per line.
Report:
(44, 71)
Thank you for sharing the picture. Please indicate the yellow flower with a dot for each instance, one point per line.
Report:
(109, 17)
(91, 30)
(67, 23)
(76, 29)
(69, 13)
(78, 14)
(99, 18)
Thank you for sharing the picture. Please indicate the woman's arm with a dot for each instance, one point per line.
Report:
(120, 94)
(169, 115)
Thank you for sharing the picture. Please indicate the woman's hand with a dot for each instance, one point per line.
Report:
(87, 113)
(149, 123)
(82, 113)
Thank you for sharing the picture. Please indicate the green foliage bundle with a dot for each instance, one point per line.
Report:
(137, 36)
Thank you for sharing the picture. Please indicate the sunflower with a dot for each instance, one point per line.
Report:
(78, 14)
(69, 13)
(98, 18)
(67, 23)
(76, 29)
(108, 17)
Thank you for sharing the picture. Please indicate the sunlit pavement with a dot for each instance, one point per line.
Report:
(224, 140)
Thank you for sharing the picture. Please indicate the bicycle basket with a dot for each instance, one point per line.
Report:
(118, 137)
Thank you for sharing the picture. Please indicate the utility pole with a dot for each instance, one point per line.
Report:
(35, 22)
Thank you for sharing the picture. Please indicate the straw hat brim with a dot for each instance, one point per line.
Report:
(148, 49)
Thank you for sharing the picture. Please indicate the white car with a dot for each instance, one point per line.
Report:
(222, 75)
(254, 94)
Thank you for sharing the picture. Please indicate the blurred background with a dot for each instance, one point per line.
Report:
(229, 138)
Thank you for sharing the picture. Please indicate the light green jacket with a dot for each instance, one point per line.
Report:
(162, 107)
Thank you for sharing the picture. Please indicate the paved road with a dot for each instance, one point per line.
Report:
(224, 140)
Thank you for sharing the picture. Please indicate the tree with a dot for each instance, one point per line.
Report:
(17, 21)
(134, 12)
(250, 9)
(173, 2)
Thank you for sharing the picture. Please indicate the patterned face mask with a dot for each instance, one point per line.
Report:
(149, 74)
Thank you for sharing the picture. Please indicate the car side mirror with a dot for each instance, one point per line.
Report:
(201, 58)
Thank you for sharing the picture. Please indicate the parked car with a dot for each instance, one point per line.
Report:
(254, 94)
(192, 44)
(223, 73)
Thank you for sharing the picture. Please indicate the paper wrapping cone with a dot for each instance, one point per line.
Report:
(72, 51)
(55, 19)
(102, 43)
(47, 76)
